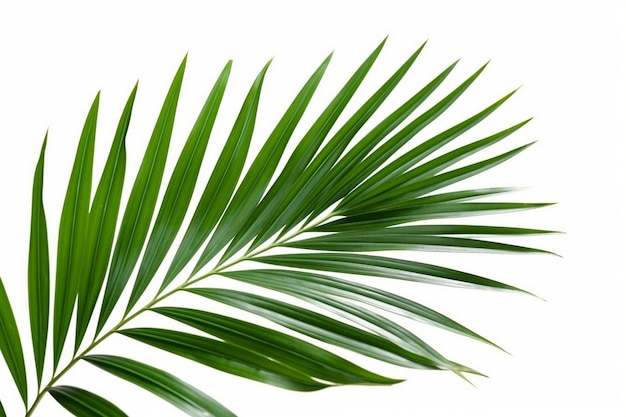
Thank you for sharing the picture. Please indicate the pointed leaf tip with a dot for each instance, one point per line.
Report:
(102, 221)
(73, 231)
(141, 201)
(179, 191)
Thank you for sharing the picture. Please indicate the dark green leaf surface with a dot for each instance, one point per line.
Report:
(177, 392)
(391, 198)
(321, 287)
(2, 412)
(83, 403)
(415, 212)
(384, 153)
(450, 229)
(349, 186)
(141, 203)
(264, 214)
(463, 195)
(381, 325)
(260, 173)
(441, 163)
(180, 189)
(438, 164)
(319, 326)
(226, 357)
(315, 177)
(349, 171)
(102, 223)
(379, 266)
(291, 351)
(39, 269)
(417, 238)
(222, 182)
(11, 345)
(73, 235)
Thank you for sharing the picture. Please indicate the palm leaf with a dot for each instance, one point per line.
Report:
(223, 180)
(314, 212)
(141, 203)
(102, 223)
(306, 357)
(226, 357)
(307, 285)
(83, 403)
(39, 270)
(73, 235)
(11, 345)
(262, 217)
(179, 190)
(182, 395)
(320, 327)
(304, 190)
(259, 175)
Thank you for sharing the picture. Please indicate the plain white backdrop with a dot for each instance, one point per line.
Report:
(566, 352)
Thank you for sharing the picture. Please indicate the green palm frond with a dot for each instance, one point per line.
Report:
(294, 226)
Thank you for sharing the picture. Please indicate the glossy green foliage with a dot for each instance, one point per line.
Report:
(73, 235)
(192, 401)
(294, 227)
(83, 403)
(39, 270)
(102, 220)
(11, 345)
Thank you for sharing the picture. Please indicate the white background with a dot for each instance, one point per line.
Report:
(566, 352)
